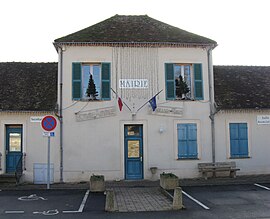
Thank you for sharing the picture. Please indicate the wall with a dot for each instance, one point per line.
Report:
(34, 144)
(96, 146)
(258, 140)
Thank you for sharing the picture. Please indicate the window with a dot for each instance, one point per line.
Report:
(187, 141)
(238, 140)
(91, 81)
(183, 81)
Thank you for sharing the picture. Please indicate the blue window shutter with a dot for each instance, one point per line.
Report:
(198, 82)
(192, 140)
(238, 139)
(182, 141)
(243, 139)
(105, 81)
(234, 143)
(169, 78)
(187, 140)
(76, 80)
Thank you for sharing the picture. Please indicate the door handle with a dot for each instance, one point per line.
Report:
(141, 158)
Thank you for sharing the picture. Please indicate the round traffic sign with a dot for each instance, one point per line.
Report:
(48, 123)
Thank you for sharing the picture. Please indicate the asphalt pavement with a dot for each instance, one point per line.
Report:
(243, 197)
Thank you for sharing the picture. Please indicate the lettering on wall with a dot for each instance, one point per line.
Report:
(133, 83)
(167, 111)
(95, 114)
(36, 118)
(263, 120)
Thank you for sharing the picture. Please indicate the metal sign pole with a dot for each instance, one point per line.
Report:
(48, 164)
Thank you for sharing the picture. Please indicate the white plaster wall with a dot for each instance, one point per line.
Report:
(34, 144)
(97, 146)
(258, 141)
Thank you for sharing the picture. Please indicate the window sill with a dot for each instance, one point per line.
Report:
(88, 100)
(246, 157)
(187, 158)
(183, 99)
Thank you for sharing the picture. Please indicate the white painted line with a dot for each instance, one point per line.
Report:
(84, 201)
(264, 187)
(14, 212)
(82, 204)
(47, 213)
(195, 200)
(71, 212)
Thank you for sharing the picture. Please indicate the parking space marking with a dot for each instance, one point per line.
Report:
(14, 212)
(263, 187)
(82, 204)
(195, 200)
(47, 213)
(32, 197)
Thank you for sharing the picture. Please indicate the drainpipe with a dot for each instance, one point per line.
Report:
(212, 103)
(60, 51)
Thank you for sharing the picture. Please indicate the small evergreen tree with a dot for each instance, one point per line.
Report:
(91, 90)
(181, 87)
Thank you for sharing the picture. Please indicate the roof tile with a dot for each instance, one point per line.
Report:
(141, 28)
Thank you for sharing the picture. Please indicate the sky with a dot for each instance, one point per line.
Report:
(240, 27)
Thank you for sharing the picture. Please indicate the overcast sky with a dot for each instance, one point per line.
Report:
(240, 27)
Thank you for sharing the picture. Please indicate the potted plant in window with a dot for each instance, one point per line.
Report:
(97, 183)
(181, 88)
(91, 92)
(169, 181)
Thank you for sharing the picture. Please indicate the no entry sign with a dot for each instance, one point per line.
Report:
(48, 123)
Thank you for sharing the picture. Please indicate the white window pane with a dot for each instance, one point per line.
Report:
(86, 76)
(97, 79)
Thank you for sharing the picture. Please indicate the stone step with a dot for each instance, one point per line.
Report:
(7, 178)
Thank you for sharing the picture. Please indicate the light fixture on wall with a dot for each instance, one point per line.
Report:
(161, 129)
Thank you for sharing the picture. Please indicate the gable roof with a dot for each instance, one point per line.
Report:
(242, 87)
(132, 29)
(28, 86)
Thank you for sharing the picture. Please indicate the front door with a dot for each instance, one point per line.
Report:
(133, 151)
(13, 147)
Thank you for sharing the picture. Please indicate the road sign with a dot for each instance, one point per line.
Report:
(48, 134)
(48, 123)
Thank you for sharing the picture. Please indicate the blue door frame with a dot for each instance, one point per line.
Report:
(133, 152)
(13, 147)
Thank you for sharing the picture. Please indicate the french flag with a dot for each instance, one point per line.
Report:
(120, 103)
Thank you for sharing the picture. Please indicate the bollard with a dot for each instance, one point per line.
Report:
(110, 201)
(177, 199)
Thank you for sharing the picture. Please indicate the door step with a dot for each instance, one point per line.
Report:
(7, 178)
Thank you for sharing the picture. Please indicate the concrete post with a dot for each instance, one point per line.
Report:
(110, 201)
(177, 199)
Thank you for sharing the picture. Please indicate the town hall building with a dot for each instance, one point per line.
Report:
(132, 94)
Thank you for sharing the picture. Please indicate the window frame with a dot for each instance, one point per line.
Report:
(194, 82)
(78, 81)
(198, 126)
(230, 155)
(91, 64)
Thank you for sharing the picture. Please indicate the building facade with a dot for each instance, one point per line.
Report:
(134, 94)
(126, 144)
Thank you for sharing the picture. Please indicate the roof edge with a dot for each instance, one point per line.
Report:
(136, 44)
(27, 111)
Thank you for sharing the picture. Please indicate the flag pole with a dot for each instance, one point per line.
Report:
(121, 100)
(149, 100)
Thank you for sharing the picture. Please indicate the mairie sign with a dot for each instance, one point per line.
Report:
(133, 83)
